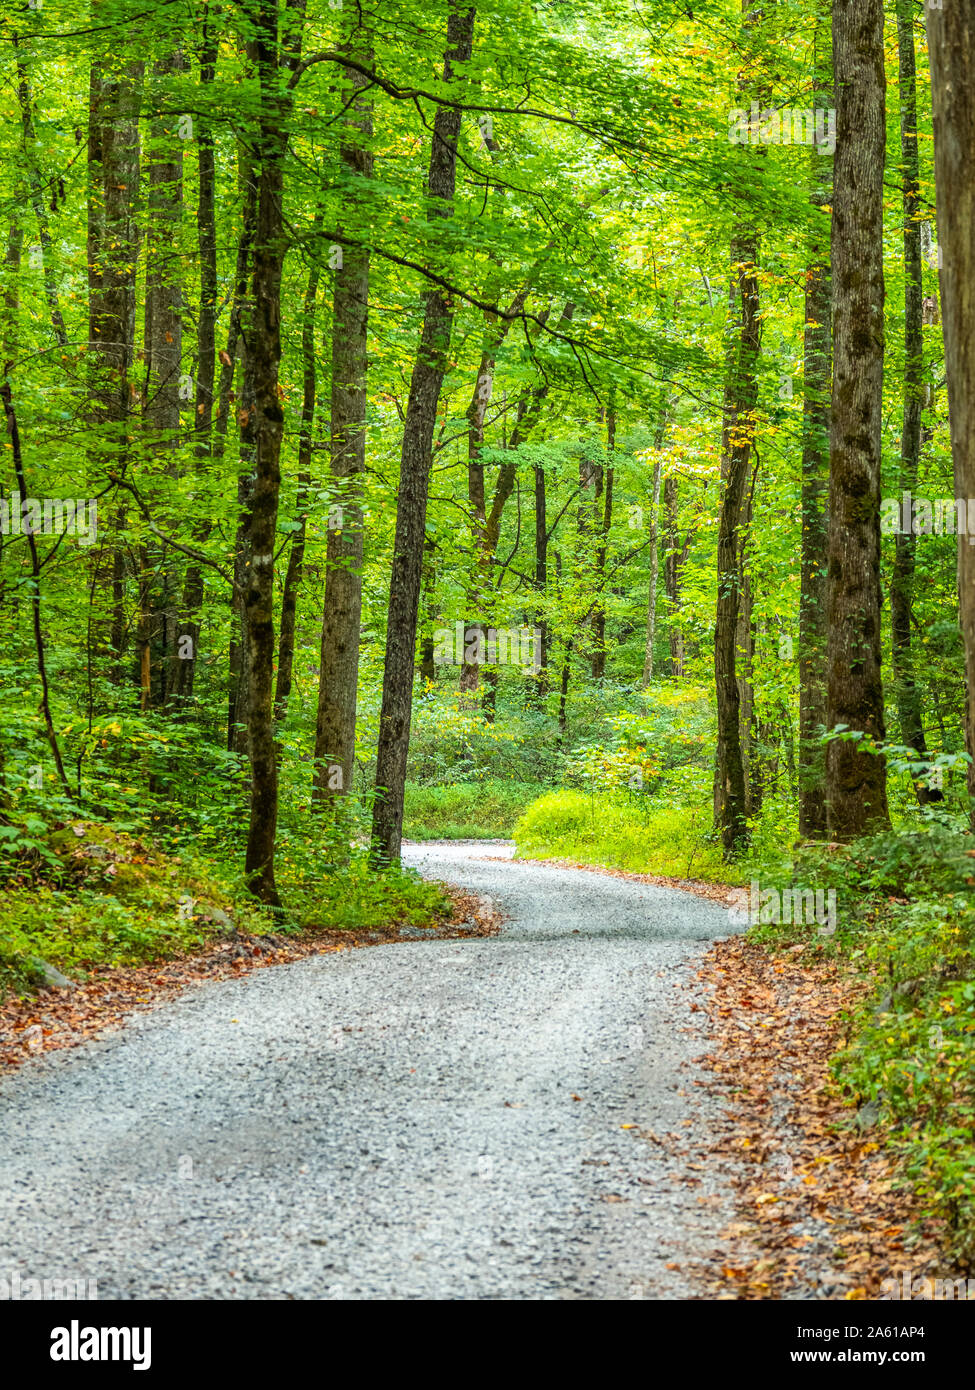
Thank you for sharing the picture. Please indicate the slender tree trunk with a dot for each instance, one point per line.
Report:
(651, 635)
(540, 683)
(599, 616)
(341, 621)
(113, 253)
(817, 352)
(37, 200)
(951, 49)
(421, 412)
(428, 664)
(163, 353)
(673, 567)
(476, 411)
(296, 559)
(564, 693)
(188, 632)
(263, 345)
(10, 331)
(856, 783)
(744, 667)
(18, 461)
(902, 579)
(739, 424)
(238, 662)
(224, 402)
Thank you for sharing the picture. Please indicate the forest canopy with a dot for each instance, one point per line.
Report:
(524, 400)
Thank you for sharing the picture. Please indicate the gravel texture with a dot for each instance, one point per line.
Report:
(419, 1120)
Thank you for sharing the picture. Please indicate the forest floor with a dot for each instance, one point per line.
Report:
(613, 1098)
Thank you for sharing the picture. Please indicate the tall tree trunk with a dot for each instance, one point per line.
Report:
(902, 579)
(951, 49)
(564, 693)
(673, 567)
(411, 511)
(10, 331)
(188, 631)
(163, 345)
(599, 615)
(113, 253)
(263, 347)
(741, 396)
(428, 664)
(236, 735)
(339, 664)
(856, 782)
(651, 634)
(817, 354)
(744, 668)
(238, 659)
(539, 685)
(35, 181)
(470, 670)
(296, 559)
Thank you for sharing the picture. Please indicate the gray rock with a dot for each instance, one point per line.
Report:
(868, 1115)
(51, 976)
(221, 919)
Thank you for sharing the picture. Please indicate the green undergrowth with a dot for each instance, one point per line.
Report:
(485, 810)
(905, 923)
(82, 894)
(636, 794)
(597, 827)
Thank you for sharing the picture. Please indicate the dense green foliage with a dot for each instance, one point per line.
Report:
(906, 924)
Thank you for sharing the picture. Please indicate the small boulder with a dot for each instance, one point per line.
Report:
(49, 976)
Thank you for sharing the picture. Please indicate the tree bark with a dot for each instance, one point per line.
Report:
(673, 569)
(428, 664)
(10, 332)
(539, 684)
(856, 782)
(902, 579)
(651, 634)
(421, 412)
(188, 630)
(296, 559)
(951, 50)
(339, 665)
(113, 254)
(744, 668)
(599, 616)
(163, 345)
(817, 354)
(263, 346)
(37, 199)
(741, 395)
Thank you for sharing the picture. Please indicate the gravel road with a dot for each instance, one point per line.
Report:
(423, 1120)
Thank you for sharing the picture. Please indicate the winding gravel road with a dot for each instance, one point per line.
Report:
(440, 1119)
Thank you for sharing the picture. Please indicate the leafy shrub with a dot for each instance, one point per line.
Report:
(907, 922)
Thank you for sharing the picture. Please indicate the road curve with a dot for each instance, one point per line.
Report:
(447, 1119)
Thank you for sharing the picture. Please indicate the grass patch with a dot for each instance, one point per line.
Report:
(466, 810)
(620, 832)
